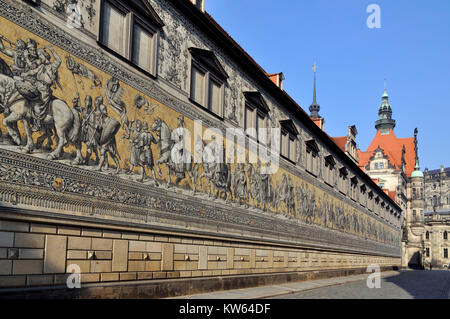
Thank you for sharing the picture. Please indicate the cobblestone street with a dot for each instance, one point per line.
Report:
(417, 284)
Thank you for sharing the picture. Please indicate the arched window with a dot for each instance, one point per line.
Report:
(427, 235)
(445, 235)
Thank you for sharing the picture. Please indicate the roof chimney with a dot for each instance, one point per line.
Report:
(277, 78)
(199, 4)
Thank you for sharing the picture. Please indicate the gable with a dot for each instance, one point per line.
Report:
(144, 8)
(209, 60)
(255, 98)
(289, 126)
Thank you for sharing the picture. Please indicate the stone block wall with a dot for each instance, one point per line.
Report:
(38, 254)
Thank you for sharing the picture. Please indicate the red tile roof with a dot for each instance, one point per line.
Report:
(392, 195)
(392, 148)
(340, 142)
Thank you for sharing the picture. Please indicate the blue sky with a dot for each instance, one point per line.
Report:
(411, 50)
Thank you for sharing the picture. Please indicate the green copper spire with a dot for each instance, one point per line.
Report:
(385, 121)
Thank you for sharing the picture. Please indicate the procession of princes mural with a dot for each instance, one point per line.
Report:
(93, 124)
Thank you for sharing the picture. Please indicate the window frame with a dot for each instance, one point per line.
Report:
(152, 25)
(329, 171)
(343, 180)
(256, 112)
(198, 58)
(291, 134)
(255, 102)
(312, 157)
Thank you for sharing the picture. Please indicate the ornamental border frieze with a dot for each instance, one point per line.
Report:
(34, 182)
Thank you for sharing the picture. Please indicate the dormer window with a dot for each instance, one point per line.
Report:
(207, 81)
(289, 135)
(130, 29)
(256, 111)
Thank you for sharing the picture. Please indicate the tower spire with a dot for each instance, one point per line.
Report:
(385, 121)
(314, 108)
(416, 172)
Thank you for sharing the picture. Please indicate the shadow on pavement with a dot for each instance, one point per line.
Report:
(423, 284)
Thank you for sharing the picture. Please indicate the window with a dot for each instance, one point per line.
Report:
(445, 252)
(376, 165)
(427, 252)
(288, 138)
(143, 46)
(445, 235)
(381, 165)
(312, 157)
(435, 201)
(363, 197)
(329, 171)
(197, 85)
(342, 183)
(114, 32)
(414, 216)
(381, 185)
(370, 201)
(427, 235)
(354, 188)
(131, 32)
(207, 81)
(256, 111)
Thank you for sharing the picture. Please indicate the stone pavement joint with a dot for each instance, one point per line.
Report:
(283, 289)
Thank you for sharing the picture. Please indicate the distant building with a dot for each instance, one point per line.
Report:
(437, 217)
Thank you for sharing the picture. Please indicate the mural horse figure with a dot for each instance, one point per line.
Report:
(166, 144)
(60, 116)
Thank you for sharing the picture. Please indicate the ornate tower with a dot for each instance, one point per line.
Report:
(412, 245)
(385, 121)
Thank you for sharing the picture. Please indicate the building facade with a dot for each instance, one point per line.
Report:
(394, 164)
(437, 217)
(114, 156)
